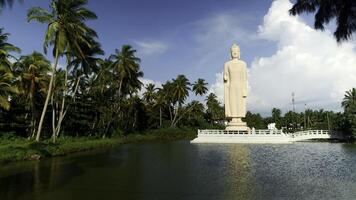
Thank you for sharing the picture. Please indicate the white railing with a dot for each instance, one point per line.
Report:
(310, 133)
(232, 132)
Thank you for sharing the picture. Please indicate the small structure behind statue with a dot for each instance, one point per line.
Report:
(235, 91)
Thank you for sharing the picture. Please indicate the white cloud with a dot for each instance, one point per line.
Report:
(150, 48)
(307, 62)
(215, 33)
(145, 82)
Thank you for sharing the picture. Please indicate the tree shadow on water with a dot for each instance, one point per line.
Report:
(42, 176)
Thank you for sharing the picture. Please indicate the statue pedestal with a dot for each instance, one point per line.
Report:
(236, 124)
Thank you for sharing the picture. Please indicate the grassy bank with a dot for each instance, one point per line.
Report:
(16, 149)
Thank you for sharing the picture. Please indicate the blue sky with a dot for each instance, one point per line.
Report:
(284, 53)
(166, 33)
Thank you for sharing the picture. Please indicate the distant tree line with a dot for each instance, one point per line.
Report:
(98, 96)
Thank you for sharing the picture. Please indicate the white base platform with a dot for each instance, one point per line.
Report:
(258, 136)
(259, 139)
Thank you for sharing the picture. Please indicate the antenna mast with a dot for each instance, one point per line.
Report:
(293, 101)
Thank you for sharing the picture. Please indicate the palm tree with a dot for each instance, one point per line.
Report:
(127, 67)
(80, 65)
(66, 31)
(7, 88)
(349, 101)
(199, 87)
(341, 10)
(5, 51)
(179, 91)
(195, 109)
(33, 79)
(214, 110)
(276, 116)
(150, 92)
(160, 101)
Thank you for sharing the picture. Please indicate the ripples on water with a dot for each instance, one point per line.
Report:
(189, 171)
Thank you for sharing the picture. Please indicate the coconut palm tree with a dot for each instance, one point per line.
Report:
(195, 109)
(276, 116)
(160, 101)
(199, 87)
(32, 71)
(127, 68)
(66, 31)
(214, 110)
(179, 90)
(7, 88)
(80, 65)
(150, 92)
(5, 51)
(349, 101)
(344, 11)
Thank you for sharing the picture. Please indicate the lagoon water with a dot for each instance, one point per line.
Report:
(184, 171)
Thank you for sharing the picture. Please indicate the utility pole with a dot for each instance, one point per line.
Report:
(294, 118)
(305, 116)
(327, 115)
(293, 101)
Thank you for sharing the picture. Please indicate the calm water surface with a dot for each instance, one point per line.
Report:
(184, 171)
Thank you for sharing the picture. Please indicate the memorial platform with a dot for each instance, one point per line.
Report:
(259, 136)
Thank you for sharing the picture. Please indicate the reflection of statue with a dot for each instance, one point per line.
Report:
(235, 86)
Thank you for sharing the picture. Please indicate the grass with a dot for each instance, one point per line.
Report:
(17, 149)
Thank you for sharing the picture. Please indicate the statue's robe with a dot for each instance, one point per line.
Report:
(235, 88)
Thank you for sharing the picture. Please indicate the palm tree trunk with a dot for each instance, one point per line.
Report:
(33, 109)
(53, 117)
(175, 117)
(170, 112)
(181, 116)
(63, 112)
(120, 86)
(47, 98)
(160, 116)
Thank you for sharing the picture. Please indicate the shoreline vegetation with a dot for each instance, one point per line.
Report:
(99, 99)
(14, 148)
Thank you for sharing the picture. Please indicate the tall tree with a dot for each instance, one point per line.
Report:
(80, 66)
(214, 110)
(33, 81)
(199, 87)
(66, 31)
(127, 67)
(150, 92)
(7, 86)
(349, 101)
(344, 11)
(276, 117)
(6, 50)
(179, 91)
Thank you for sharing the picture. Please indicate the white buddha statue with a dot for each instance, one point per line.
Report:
(235, 90)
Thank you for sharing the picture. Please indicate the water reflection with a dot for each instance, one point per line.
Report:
(42, 177)
(184, 171)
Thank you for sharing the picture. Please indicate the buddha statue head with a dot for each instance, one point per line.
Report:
(235, 52)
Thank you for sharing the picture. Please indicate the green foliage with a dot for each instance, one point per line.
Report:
(326, 11)
(95, 102)
(13, 148)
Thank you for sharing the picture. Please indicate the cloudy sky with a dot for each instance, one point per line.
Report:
(284, 54)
